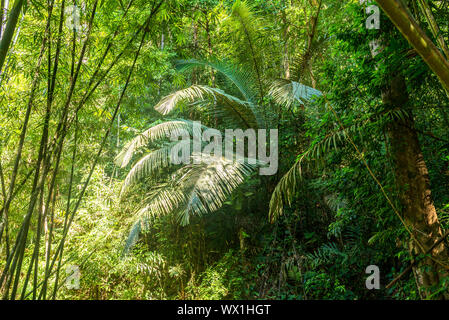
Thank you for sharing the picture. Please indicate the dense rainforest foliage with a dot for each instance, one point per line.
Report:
(349, 99)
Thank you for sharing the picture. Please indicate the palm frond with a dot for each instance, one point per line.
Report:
(164, 201)
(198, 189)
(211, 184)
(243, 80)
(284, 191)
(250, 28)
(287, 92)
(154, 133)
(286, 188)
(242, 111)
(147, 165)
(132, 238)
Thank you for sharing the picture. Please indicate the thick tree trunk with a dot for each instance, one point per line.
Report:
(412, 178)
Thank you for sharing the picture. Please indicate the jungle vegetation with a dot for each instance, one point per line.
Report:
(92, 205)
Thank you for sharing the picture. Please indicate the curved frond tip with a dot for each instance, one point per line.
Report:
(243, 111)
(198, 189)
(287, 92)
(154, 133)
(243, 80)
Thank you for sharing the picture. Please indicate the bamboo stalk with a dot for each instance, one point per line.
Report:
(9, 30)
(19, 246)
(410, 29)
(103, 143)
(69, 198)
(434, 27)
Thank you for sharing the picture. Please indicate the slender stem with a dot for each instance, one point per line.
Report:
(9, 30)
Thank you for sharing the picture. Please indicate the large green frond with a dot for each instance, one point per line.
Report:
(154, 133)
(242, 111)
(211, 184)
(286, 92)
(133, 237)
(166, 200)
(285, 190)
(243, 80)
(198, 189)
(149, 164)
(250, 29)
(287, 186)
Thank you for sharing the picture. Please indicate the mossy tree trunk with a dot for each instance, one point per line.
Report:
(412, 177)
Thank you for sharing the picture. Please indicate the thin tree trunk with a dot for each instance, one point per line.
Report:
(286, 33)
(195, 49)
(20, 241)
(313, 24)
(210, 53)
(69, 198)
(209, 47)
(59, 249)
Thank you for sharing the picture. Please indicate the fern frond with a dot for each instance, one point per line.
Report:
(324, 255)
(334, 202)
